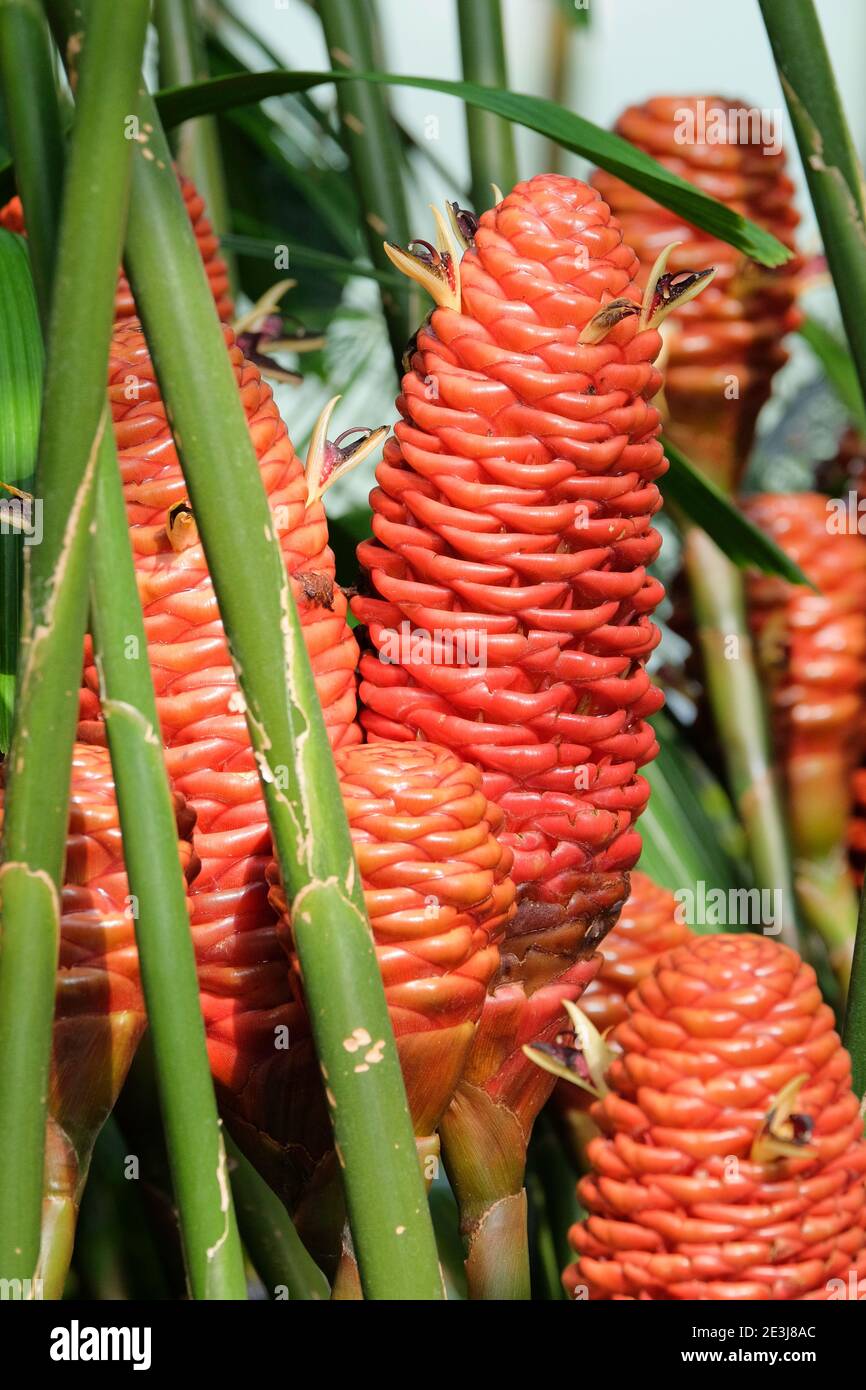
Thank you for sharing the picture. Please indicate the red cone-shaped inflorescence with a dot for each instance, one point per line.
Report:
(438, 894)
(12, 218)
(510, 615)
(731, 1163)
(245, 994)
(724, 348)
(812, 647)
(99, 1012)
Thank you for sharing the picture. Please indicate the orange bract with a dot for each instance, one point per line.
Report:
(724, 348)
(698, 1190)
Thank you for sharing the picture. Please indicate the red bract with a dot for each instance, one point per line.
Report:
(723, 350)
(731, 1164)
(12, 218)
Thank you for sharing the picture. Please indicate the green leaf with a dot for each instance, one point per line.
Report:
(339, 267)
(707, 506)
(575, 10)
(835, 358)
(21, 359)
(574, 133)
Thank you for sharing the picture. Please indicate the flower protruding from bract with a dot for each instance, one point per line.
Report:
(464, 224)
(607, 318)
(666, 291)
(434, 268)
(180, 526)
(784, 1134)
(583, 1061)
(328, 460)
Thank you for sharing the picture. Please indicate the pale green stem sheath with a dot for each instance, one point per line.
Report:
(737, 701)
(21, 363)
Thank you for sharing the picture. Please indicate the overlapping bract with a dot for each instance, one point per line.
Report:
(682, 1206)
(812, 647)
(438, 894)
(12, 218)
(725, 347)
(513, 529)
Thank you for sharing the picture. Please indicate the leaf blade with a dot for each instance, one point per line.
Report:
(571, 131)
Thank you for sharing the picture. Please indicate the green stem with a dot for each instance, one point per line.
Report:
(491, 139)
(829, 905)
(734, 689)
(212, 1250)
(829, 157)
(21, 360)
(37, 792)
(34, 130)
(375, 154)
(854, 1032)
(182, 60)
(387, 1204)
(273, 1244)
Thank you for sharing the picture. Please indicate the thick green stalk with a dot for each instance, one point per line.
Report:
(34, 132)
(21, 360)
(211, 1244)
(37, 793)
(387, 1204)
(854, 1033)
(274, 1246)
(829, 157)
(181, 61)
(734, 689)
(375, 154)
(491, 139)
